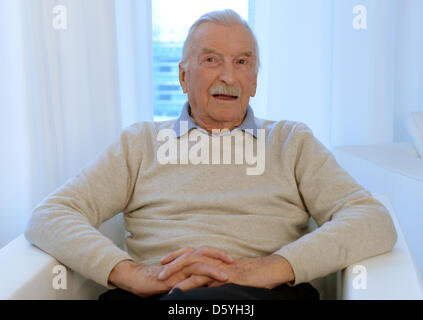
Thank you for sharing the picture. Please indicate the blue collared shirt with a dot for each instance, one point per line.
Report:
(248, 123)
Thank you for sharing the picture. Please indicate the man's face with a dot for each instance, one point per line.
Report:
(220, 56)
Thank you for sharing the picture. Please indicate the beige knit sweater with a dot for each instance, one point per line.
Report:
(170, 206)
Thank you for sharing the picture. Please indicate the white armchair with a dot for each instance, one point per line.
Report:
(27, 272)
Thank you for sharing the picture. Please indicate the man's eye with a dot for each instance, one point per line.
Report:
(242, 61)
(211, 59)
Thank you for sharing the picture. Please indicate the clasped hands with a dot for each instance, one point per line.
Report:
(190, 268)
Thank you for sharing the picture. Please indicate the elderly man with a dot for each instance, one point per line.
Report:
(208, 228)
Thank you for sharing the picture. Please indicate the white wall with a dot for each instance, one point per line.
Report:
(351, 86)
(295, 81)
(409, 73)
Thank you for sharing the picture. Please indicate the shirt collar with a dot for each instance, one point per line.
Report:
(248, 123)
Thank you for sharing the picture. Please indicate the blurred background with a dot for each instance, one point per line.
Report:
(74, 73)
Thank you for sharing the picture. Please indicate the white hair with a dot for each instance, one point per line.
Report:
(225, 17)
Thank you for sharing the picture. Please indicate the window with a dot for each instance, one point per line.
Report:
(171, 21)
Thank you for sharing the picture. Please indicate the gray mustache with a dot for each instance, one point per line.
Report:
(229, 91)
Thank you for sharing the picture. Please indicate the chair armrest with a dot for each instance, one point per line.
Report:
(26, 272)
(390, 276)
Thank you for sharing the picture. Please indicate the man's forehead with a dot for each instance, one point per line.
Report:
(207, 50)
(212, 38)
(211, 31)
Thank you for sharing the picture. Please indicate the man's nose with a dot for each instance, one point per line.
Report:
(228, 74)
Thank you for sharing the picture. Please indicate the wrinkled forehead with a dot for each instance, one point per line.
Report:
(235, 39)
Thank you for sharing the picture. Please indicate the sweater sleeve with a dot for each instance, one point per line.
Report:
(65, 224)
(352, 225)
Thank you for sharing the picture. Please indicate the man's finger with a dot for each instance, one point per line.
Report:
(216, 253)
(215, 284)
(191, 283)
(202, 269)
(207, 251)
(177, 265)
(184, 261)
(175, 254)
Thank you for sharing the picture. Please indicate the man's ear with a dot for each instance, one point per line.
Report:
(254, 88)
(182, 80)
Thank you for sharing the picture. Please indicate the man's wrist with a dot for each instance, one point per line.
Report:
(120, 274)
(282, 269)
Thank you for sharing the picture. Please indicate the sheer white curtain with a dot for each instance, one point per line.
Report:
(135, 53)
(351, 86)
(14, 140)
(65, 80)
